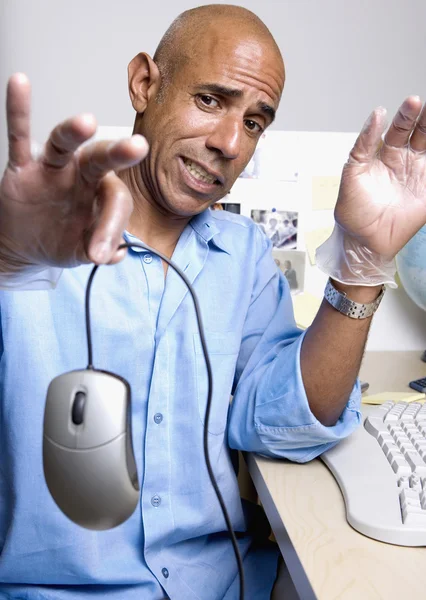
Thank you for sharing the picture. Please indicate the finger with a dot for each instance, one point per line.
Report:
(66, 138)
(403, 123)
(18, 108)
(97, 159)
(119, 254)
(370, 138)
(418, 138)
(115, 207)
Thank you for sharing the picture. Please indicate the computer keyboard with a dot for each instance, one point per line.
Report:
(381, 471)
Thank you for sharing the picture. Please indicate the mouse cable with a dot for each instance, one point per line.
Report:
(210, 385)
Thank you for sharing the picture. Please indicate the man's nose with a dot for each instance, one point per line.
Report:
(226, 138)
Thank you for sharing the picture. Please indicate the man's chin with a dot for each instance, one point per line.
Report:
(190, 207)
(188, 213)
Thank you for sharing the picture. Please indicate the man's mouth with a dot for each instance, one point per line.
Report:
(199, 173)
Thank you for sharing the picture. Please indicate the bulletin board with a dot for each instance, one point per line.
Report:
(293, 180)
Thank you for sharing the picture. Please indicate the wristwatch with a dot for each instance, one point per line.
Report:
(354, 310)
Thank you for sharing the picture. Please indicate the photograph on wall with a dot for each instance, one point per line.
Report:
(292, 264)
(229, 206)
(280, 226)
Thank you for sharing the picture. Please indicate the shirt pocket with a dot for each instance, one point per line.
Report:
(223, 349)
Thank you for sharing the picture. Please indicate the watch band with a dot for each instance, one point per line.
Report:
(348, 307)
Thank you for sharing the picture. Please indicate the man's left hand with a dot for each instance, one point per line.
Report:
(382, 196)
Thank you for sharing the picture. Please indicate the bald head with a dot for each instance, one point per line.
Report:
(181, 41)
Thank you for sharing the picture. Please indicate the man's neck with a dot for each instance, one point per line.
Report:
(159, 231)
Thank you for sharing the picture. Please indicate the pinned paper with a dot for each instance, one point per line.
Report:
(314, 239)
(305, 307)
(324, 192)
(394, 396)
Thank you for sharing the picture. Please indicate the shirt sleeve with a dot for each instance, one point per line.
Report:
(43, 279)
(270, 413)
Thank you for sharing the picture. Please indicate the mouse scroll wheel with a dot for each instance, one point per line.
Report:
(78, 408)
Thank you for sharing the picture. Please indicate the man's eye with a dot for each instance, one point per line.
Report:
(208, 100)
(253, 126)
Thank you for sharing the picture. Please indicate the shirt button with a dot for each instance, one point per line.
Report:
(158, 417)
(147, 259)
(165, 572)
(156, 501)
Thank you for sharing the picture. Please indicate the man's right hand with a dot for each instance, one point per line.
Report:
(67, 206)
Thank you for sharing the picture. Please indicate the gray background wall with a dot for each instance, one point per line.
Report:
(343, 57)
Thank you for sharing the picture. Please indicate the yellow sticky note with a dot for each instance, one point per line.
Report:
(394, 396)
(314, 239)
(398, 280)
(324, 192)
(305, 309)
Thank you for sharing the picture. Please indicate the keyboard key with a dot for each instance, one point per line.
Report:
(384, 437)
(396, 429)
(414, 516)
(404, 482)
(375, 426)
(421, 415)
(391, 417)
(415, 483)
(407, 416)
(409, 496)
(416, 463)
(394, 452)
(409, 427)
(403, 441)
(400, 466)
(390, 447)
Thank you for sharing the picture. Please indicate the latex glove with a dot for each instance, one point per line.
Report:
(382, 198)
(68, 206)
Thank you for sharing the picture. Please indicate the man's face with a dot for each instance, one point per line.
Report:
(204, 132)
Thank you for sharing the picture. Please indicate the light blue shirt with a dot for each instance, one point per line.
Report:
(144, 329)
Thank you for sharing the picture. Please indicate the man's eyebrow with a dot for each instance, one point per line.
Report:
(222, 90)
(267, 110)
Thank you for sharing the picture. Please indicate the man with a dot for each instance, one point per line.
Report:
(273, 232)
(290, 274)
(202, 103)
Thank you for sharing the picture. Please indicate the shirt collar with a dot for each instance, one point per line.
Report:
(130, 239)
(204, 225)
(209, 229)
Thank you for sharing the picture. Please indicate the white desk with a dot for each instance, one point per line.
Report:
(327, 559)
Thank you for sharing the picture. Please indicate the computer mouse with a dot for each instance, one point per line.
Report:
(88, 458)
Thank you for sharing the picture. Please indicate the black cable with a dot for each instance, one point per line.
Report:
(88, 326)
(210, 386)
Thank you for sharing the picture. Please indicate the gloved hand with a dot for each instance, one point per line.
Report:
(68, 206)
(382, 198)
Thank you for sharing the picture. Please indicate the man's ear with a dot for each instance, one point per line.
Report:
(144, 80)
